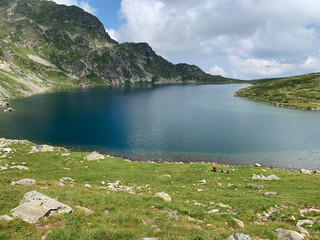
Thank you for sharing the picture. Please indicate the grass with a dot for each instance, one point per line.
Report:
(298, 92)
(132, 216)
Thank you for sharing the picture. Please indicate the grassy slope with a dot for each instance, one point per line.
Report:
(299, 91)
(131, 216)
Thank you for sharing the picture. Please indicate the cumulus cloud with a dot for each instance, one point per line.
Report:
(113, 34)
(247, 38)
(82, 4)
(216, 70)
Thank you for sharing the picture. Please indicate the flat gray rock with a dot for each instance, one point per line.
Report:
(42, 148)
(239, 236)
(283, 234)
(34, 206)
(254, 186)
(94, 156)
(25, 182)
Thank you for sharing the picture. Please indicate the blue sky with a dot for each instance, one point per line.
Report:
(244, 39)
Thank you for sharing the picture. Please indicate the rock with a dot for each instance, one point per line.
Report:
(263, 178)
(6, 150)
(23, 164)
(87, 185)
(19, 167)
(202, 181)
(292, 218)
(283, 234)
(302, 229)
(239, 222)
(115, 187)
(25, 182)
(166, 175)
(239, 236)
(257, 165)
(87, 211)
(164, 196)
(222, 205)
(146, 238)
(94, 156)
(67, 179)
(34, 206)
(6, 218)
(254, 186)
(42, 148)
(60, 184)
(214, 211)
(199, 190)
(9, 110)
(306, 171)
(269, 193)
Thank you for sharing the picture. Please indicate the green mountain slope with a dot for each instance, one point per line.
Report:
(301, 91)
(46, 46)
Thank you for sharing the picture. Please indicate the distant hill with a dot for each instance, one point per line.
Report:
(301, 91)
(46, 46)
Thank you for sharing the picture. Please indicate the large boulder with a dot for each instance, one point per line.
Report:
(34, 206)
(239, 236)
(283, 234)
(94, 156)
(42, 148)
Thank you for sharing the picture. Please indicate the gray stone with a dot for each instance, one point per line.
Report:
(35, 206)
(67, 179)
(94, 156)
(25, 182)
(254, 186)
(302, 229)
(60, 184)
(283, 234)
(6, 218)
(239, 236)
(42, 148)
(263, 178)
(306, 171)
(19, 167)
(164, 196)
(270, 193)
(257, 165)
(87, 211)
(239, 222)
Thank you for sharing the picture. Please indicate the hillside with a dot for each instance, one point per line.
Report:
(301, 91)
(46, 46)
(123, 197)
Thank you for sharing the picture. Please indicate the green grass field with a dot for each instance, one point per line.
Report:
(141, 214)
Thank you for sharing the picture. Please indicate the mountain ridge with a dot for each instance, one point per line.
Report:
(46, 46)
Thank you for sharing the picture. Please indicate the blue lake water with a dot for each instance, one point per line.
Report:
(169, 122)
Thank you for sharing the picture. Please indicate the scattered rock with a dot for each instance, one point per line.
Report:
(9, 110)
(263, 178)
(283, 234)
(202, 181)
(87, 211)
(24, 182)
(6, 150)
(60, 184)
(173, 214)
(306, 171)
(214, 211)
(254, 186)
(42, 148)
(239, 236)
(19, 167)
(35, 206)
(270, 193)
(87, 185)
(257, 165)
(292, 218)
(116, 187)
(95, 156)
(302, 229)
(222, 205)
(6, 218)
(199, 190)
(239, 222)
(164, 196)
(67, 179)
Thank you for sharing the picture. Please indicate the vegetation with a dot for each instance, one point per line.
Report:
(298, 92)
(132, 216)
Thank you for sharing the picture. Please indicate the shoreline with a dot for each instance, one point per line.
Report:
(129, 158)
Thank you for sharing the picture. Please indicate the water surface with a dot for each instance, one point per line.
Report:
(172, 122)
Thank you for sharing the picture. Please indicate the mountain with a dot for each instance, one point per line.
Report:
(301, 91)
(46, 46)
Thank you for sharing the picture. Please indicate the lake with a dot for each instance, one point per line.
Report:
(169, 123)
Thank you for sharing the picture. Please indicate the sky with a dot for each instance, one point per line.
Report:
(244, 39)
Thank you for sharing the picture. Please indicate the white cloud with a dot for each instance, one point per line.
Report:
(82, 4)
(113, 34)
(216, 70)
(265, 37)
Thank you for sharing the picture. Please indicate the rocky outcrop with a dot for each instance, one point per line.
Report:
(35, 206)
(283, 234)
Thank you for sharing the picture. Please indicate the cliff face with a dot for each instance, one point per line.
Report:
(45, 46)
